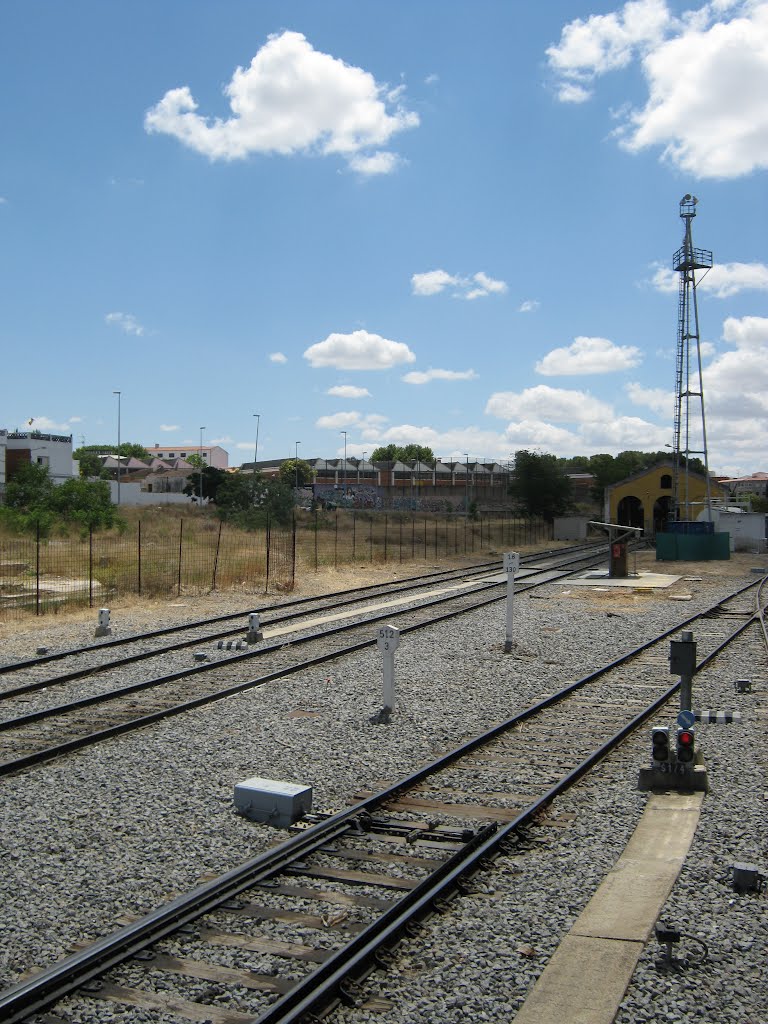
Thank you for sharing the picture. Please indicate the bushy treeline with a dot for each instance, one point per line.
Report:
(33, 501)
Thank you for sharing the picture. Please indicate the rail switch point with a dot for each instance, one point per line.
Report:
(270, 802)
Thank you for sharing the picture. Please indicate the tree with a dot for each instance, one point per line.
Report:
(132, 450)
(540, 485)
(249, 502)
(295, 471)
(89, 463)
(212, 479)
(403, 453)
(29, 488)
(87, 502)
(196, 460)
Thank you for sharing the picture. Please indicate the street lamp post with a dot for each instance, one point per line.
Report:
(345, 461)
(200, 467)
(119, 396)
(256, 454)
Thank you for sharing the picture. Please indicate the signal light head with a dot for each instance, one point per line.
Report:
(660, 745)
(685, 743)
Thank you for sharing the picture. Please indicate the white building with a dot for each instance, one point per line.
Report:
(211, 454)
(18, 447)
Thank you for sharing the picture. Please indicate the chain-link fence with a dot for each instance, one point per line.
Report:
(39, 575)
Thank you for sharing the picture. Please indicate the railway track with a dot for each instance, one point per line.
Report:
(35, 727)
(293, 931)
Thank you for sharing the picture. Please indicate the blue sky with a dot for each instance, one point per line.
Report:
(449, 224)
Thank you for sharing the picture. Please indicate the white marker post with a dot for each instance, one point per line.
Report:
(511, 565)
(388, 639)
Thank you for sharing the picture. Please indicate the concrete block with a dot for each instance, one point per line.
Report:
(279, 804)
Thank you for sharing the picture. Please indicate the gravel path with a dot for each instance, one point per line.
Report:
(117, 828)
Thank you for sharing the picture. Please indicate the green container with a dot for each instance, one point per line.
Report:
(693, 547)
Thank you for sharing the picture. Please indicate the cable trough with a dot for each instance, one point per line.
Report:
(302, 924)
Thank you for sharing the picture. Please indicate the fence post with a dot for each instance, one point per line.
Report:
(90, 565)
(425, 536)
(293, 550)
(354, 531)
(386, 523)
(435, 538)
(138, 561)
(269, 543)
(316, 569)
(216, 557)
(37, 569)
(370, 537)
(401, 540)
(181, 539)
(413, 536)
(336, 540)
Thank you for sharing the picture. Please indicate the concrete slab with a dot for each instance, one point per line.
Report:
(583, 984)
(640, 580)
(585, 980)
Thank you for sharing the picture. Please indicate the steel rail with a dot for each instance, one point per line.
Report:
(28, 760)
(64, 977)
(47, 753)
(198, 623)
(82, 673)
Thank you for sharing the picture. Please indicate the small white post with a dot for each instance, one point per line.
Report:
(388, 639)
(103, 628)
(511, 565)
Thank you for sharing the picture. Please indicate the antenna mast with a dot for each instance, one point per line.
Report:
(689, 389)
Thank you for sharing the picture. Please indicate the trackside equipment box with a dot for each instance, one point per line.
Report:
(274, 803)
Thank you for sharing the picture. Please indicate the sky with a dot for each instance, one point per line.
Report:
(447, 224)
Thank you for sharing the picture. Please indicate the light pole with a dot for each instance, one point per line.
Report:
(345, 461)
(256, 454)
(201, 465)
(466, 485)
(358, 467)
(296, 466)
(119, 396)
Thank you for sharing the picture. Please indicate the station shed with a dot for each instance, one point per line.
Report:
(645, 499)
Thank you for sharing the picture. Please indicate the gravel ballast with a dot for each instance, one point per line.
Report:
(119, 827)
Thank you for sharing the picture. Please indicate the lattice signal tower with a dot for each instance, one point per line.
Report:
(689, 389)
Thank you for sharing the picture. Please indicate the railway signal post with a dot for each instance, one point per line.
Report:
(511, 565)
(387, 640)
(677, 765)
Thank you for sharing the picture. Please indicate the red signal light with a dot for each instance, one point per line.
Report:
(686, 739)
(685, 744)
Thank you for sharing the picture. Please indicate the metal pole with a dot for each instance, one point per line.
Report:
(466, 486)
(296, 467)
(138, 560)
(200, 452)
(181, 537)
(345, 463)
(256, 451)
(119, 394)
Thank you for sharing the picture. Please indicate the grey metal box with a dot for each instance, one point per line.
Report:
(275, 803)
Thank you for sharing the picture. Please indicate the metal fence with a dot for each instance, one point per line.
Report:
(39, 575)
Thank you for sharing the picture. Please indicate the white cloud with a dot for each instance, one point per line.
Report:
(348, 391)
(657, 399)
(588, 355)
(485, 285)
(722, 281)
(3, 200)
(359, 350)
(75, 419)
(126, 322)
(277, 357)
(432, 282)
(425, 376)
(340, 420)
(529, 306)
(706, 74)
(557, 404)
(292, 99)
(605, 42)
(46, 424)
(169, 427)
